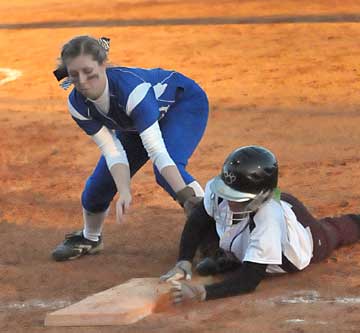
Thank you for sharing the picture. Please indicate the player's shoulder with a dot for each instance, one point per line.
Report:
(269, 211)
(128, 74)
(139, 75)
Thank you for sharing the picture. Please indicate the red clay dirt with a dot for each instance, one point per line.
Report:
(291, 86)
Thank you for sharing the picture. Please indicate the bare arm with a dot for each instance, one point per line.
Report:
(121, 175)
(173, 177)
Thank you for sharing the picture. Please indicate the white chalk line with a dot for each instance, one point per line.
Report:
(10, 75)
(299, 297)
(306, 300)
(312, 297)
(303, 321)
(35, 304)
(295, 321)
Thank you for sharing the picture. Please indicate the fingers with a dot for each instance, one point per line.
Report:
(126, 206)
(119, 213)
(190, 204)
(122, 206)
(121, 209)
(176, 292)
(172, 276)
(164, 278)
(182, 270)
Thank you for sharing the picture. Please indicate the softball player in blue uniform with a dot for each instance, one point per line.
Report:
(258, 230)
(132, 114)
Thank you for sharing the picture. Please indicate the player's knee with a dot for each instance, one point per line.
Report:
(93, 201)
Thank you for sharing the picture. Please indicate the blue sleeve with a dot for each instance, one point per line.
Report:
(79, 112)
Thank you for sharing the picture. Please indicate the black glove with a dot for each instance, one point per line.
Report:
(185, 194)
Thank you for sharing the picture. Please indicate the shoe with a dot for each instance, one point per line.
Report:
(221, 262)
(355, 217)
(76, 245)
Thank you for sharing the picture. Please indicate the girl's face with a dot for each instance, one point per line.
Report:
(88, 76)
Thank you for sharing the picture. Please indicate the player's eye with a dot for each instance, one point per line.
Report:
(90, 77)
(88, 70)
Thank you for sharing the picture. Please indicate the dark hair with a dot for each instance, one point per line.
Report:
(82, 45)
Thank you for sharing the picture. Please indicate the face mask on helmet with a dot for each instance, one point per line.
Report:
(249, 174)
(238, 211)
(243, 209)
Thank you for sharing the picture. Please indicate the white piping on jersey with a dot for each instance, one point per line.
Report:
(154, 144)
(164, 100)
(162, 85)
(159, 89)
(168, 77)
(136, 96)
(75, 113)
(110, 147)
(139, 77)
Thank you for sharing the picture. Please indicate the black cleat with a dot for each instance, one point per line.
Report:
(221, 262)
(76, 245)
(355, 217)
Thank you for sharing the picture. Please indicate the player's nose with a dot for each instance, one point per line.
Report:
(82, 78)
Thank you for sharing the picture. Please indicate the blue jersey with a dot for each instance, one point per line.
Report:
(138, 98)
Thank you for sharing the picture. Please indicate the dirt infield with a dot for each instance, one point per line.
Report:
(286, 77)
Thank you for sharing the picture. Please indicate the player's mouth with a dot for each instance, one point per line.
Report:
(83, 89)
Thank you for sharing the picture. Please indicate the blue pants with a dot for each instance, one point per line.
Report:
(182, 129)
